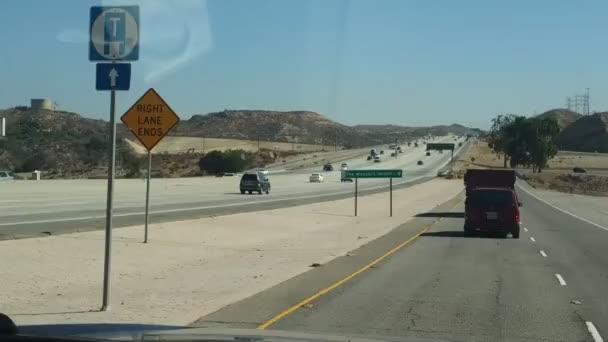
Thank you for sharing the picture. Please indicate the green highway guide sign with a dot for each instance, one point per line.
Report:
(373, 174)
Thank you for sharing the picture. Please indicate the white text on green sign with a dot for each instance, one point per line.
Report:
(373, 173)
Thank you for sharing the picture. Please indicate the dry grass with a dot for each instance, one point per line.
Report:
(174, 145)
(568, 160)
(477, 156)
(569, 183)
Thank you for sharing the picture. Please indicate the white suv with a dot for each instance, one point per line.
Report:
(316, 178)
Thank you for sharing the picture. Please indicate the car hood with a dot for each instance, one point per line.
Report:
(157, 333)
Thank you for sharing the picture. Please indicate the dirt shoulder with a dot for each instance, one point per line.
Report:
(557, 177)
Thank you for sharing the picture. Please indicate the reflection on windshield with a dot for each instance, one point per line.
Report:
(298, 167)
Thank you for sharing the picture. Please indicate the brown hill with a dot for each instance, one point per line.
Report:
(405, 131)
(53, 140)
(303, 127)
(564, 117)
(294, 126)
(587, 134)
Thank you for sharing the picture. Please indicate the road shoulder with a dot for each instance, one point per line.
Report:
(262, 307)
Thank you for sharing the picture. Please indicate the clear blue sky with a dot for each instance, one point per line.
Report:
(361, 61)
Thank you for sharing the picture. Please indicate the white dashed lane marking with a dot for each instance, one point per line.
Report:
(543, 254)
(532, 239)
(561, 280)
(594, 332)
(525, 229)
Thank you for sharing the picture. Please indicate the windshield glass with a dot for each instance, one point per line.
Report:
(298, 166)
(250, 177)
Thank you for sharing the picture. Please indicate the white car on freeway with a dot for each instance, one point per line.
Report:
(263, 171)
(316, 178)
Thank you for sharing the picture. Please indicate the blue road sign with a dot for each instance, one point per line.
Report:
(114, 33)
(113, 76)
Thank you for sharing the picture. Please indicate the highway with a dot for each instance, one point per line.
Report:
(425, 279)
(47, 207)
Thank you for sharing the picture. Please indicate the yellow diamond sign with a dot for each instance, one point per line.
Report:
(150, 119)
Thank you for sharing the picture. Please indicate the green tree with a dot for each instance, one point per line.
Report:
(524, 141)
(499, 139)
(216, 162)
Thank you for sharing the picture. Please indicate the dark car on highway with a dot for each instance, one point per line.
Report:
(494, 210)
(254, 182)
(579, 170)
(328, 167)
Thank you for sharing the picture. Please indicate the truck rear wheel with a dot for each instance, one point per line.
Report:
(515, 233)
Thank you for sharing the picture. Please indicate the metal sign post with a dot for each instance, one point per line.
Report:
(356, 190)
(148, 194)
(390, 186)
(105, 306)
(113, 36)
(356, 174)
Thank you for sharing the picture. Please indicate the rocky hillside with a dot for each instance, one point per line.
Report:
(302, 127)
(52, 140)
(587, 134)
(69, 145)
(405, 131)
(564, 117)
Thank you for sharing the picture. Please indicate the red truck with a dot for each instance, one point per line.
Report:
(491, 203)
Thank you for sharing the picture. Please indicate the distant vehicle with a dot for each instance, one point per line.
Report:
(370, 157)
(400, 151)
(344, 165)
(409, 144)
(392, 147)
(328, 167)
(263, 171)
(254, 182)
(6, 175)
(415, 144)
(420, 162)
(575, 170)
(229, 174)
(373, 152)
(381, 151)
(376, 159)
(398, 148)
(393, 154)
(460, 144)
(428, 153)
(440, 151)
(491, 203)
(343, 177)
(316, 178)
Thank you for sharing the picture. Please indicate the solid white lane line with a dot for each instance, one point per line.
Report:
(561, 280)
(543, 254)
(525, 229)
(562, 210)
(532, 239)
(594, 332)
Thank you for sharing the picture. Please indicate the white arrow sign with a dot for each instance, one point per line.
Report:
(113, 74)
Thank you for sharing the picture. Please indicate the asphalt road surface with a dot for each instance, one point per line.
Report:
(426, 279)
(29, 208)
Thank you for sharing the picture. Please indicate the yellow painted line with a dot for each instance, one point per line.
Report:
(341, 282)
